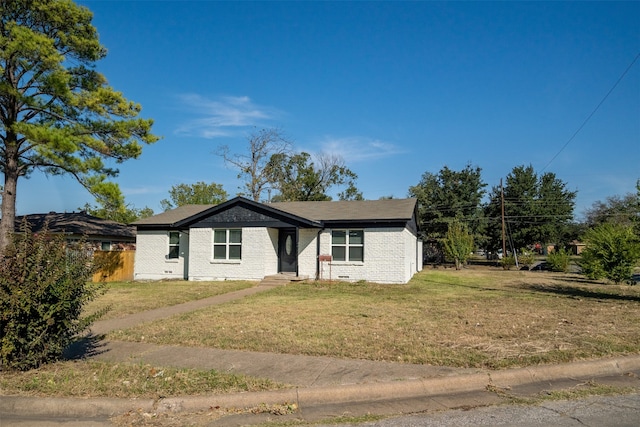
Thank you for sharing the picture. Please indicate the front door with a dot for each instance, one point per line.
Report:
(288, 251)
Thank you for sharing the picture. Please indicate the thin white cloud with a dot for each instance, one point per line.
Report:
(222, 116)
(359, 149)
(135, 191)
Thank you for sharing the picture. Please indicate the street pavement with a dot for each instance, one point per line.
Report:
(321, 387)
(595, 411)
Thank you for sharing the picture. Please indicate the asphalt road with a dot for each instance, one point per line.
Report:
(601, 411)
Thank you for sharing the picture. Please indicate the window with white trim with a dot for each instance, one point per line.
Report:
(227, 244)
(174, 245)
(347, 245)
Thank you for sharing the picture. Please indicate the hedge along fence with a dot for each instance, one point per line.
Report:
(114, 266)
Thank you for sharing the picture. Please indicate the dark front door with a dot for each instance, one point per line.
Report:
(288, 251)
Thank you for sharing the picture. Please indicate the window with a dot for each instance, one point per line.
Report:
(105, 246)
(227, 244)
(347, 245)
(174, 245)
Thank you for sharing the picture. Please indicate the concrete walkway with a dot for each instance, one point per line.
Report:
(321, 386)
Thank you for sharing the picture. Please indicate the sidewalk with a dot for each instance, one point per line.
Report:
(321, 386)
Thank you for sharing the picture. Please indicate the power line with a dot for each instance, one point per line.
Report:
(593, 112)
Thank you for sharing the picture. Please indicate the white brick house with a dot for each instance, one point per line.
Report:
(372, 240)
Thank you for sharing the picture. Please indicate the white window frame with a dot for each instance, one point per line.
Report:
(227, 245)
(347, 245)
(173, 245)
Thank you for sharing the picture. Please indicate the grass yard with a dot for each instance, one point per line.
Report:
(94, 379)
(123, 298)
(478, 317)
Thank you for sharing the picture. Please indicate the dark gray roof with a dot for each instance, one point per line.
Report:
(352, 210)
(77, 223)
(174, 215)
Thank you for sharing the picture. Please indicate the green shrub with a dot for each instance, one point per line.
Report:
(526, 258)
(611, 251)
(43, 288)
(508, 261)
(458, 243)
(559, 260)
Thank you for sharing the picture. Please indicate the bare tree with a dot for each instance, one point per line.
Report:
(252, 167)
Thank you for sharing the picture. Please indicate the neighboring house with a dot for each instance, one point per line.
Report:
(98, 233)
(372, 240)
(576, 247)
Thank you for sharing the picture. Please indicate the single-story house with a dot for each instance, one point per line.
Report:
(372, 240)
(98, 233)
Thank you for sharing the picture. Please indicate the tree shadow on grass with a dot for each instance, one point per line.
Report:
(85, 347)
(578, 278)
(579, 292)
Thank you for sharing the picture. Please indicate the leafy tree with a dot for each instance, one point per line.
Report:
(623, 210)
(57, 113)
(537, 209)
(611, 251)
(44, 286)
(450, 195)
(114, 208)
(298, 178)
(252, 167)
(123, 214)
(199, 193)
(458, 243)
(636, 218)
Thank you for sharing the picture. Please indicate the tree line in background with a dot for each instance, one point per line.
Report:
(528, 213)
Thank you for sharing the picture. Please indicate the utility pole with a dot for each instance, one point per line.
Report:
(504, 241)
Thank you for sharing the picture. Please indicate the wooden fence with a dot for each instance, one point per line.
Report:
(115, 266)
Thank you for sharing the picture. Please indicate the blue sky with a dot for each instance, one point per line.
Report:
(396, 88)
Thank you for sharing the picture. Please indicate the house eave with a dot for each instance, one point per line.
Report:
(400, 222)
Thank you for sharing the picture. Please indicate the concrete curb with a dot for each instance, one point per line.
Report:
(315, 396)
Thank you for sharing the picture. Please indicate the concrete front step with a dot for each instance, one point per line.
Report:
(281, 279)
